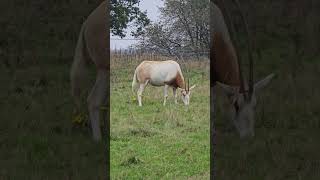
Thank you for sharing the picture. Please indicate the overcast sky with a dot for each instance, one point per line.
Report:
(152, 11)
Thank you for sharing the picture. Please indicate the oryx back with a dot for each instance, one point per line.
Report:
(159, 73)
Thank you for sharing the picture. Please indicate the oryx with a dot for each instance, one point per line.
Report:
(227, 74)
(161, 73)
(93, 46)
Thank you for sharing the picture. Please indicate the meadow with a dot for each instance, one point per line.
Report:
(156, 141)
(38, 138)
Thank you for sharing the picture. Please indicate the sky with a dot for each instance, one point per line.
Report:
(151, 6)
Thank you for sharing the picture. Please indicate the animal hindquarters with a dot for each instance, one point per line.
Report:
(93, 45)
(134, 82)
(140, 91)
(78, 70)
(97, 97)
(96, 36)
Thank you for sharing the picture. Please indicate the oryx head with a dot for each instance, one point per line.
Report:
(242, 105)
(186, 93)
(243, 99)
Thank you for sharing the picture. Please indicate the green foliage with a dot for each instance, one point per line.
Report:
(183, 26)
(124, 12)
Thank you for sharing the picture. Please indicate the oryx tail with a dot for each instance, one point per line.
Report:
(134, 82)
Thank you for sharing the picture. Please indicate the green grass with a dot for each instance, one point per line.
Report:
(37, 137)
(156, 141)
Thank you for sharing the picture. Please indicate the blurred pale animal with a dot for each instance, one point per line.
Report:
(92, 46)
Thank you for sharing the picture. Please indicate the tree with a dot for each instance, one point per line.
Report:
(124, 12)
(184, 26)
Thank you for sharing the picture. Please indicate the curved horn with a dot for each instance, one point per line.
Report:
(236, 44)
(250, 55)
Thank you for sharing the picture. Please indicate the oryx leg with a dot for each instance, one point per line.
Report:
(165, 93)
(140, 90)
(96, 98)
(175, 95)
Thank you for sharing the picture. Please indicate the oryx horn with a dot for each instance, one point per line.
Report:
(250, 55)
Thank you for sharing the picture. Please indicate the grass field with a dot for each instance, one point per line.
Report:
(156, 141)
(38, 139)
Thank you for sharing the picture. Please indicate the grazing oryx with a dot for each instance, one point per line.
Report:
(227, 74)
(92, 46)
(161, 73)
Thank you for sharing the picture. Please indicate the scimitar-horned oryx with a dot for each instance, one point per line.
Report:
(92, 46)
(227, 74)
(161, 73)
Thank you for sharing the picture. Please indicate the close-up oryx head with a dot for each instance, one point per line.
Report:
(227, 60)
(242, 105)
(186, 93)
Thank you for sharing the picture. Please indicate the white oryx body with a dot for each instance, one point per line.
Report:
(92, 46)
(242, 97)
(161, 73)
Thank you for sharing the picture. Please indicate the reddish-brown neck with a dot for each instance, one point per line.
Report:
(180, 81)
(226, 63)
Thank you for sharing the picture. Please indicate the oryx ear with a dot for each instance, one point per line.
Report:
(229, 90)
(192, 87)
(262, 83)
(181, 90)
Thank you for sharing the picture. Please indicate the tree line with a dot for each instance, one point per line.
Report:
(184, 26)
